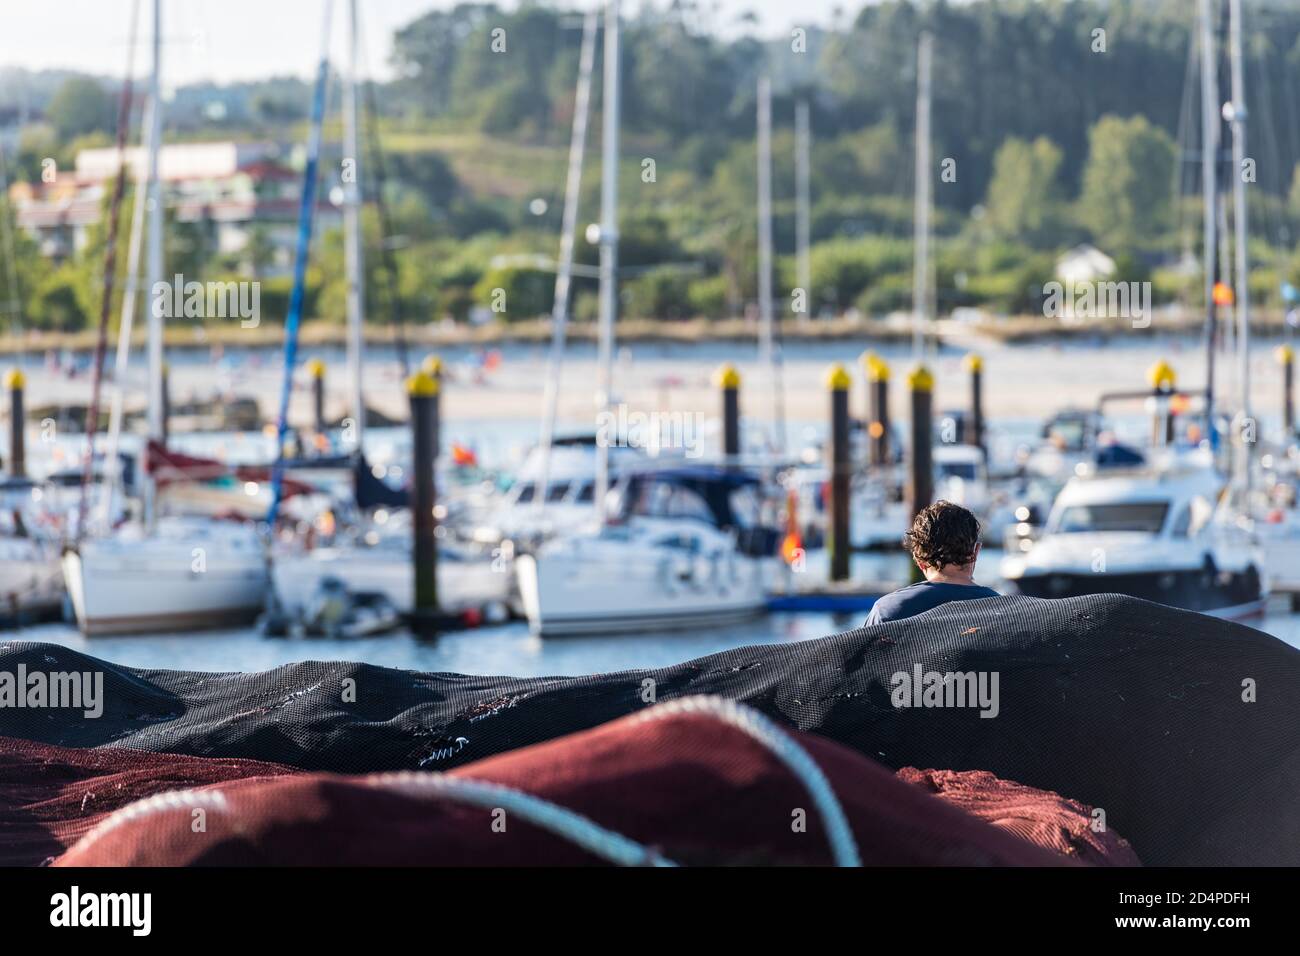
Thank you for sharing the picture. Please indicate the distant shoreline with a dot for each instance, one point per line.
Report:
(1265, 323)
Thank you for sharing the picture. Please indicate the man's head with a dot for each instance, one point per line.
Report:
(944, 539)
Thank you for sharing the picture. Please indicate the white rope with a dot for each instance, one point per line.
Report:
(844, 848)
(565, 823)
(552, 817)
(152, 806)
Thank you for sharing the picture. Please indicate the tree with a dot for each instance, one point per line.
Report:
(426, 51)
(1023, 196)
(1126, 197)
(80, 106)
(59, 303)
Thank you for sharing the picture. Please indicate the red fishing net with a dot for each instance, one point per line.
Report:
(694, 789)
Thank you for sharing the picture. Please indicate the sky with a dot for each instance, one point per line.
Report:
(227, 40)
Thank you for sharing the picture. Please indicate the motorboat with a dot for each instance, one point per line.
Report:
(1165, 532)
(522, 517)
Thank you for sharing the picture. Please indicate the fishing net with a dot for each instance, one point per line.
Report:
(1047, 820)
(51, 796)
(681, 788)
(1181, 729)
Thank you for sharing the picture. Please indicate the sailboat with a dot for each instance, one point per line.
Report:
(667, 547)
(177, 572)
(676, 551)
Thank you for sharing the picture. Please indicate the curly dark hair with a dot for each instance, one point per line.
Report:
(943, 534)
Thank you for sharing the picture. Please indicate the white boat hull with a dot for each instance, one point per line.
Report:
(150, 585)
(572, 593)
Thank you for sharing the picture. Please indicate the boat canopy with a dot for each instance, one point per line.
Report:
(725, 498)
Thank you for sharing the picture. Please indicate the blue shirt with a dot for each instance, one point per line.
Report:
(910, 601)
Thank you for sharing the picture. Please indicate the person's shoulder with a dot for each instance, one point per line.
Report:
(898, 598)
(920, 587)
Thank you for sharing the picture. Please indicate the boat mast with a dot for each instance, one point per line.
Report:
(110, 276)
(302, 251)
(767, 320)
(1209, 192)
(564, 274)
(1236, 113)
(921, 214)
(154, 258)
(14, 306)
(803, 199)
(352, 254)
(121, 362)
(608, 246)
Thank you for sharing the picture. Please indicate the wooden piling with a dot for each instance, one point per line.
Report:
(1286, 358)
(422, 390)
(1162, 380)
(432, 367)
(920, 483)
(877, 409)
(15, 384)
(728, 380)
(841, 468)
(316, 368)
(975, 365)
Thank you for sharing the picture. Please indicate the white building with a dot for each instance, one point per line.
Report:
(1084, 263)
(232, 189)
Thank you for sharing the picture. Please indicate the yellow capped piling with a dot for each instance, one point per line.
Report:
(422, 389)
(838, 382)
(920, 483)
(15, 385)
(727, 379)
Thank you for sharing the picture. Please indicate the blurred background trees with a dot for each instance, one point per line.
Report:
(1051, 142)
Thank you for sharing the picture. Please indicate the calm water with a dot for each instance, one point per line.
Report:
(510, 649)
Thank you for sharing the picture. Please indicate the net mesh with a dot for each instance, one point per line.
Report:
(688, 787)
(1182, 729)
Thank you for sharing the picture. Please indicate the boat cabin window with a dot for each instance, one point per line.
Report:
(1147, 517)
(526, 492)
(660, 499)
(586, 494)
(1182, 523)
(556, 492)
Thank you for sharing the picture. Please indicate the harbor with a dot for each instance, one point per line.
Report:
(501, 445)
(540, 437)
